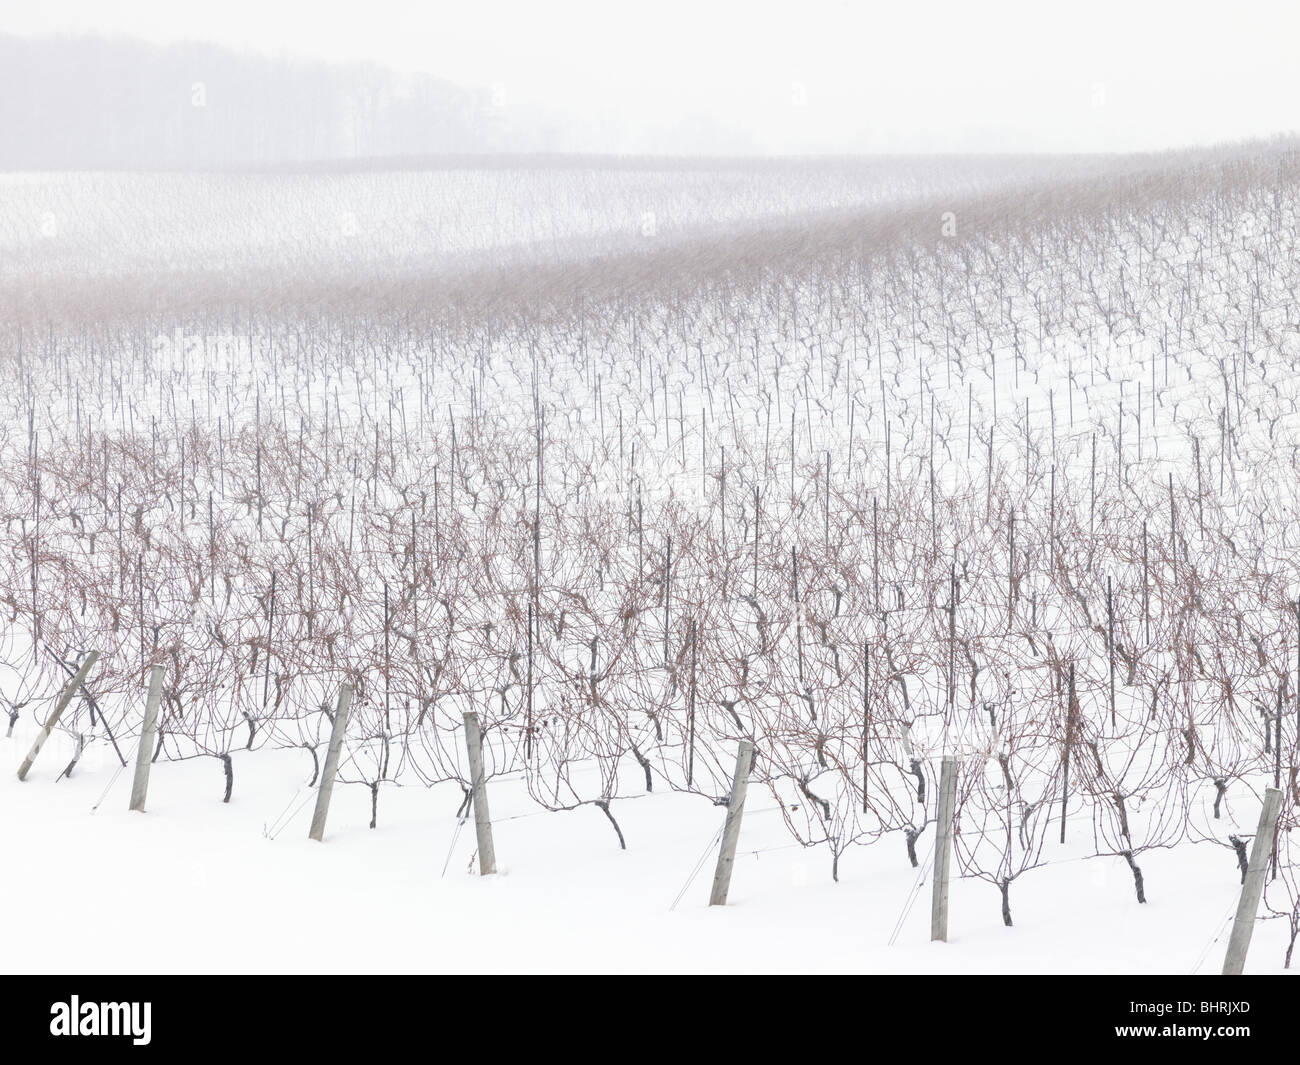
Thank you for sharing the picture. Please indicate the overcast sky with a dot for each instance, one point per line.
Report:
(798, 76)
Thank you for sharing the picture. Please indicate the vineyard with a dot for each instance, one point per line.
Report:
(864, 464)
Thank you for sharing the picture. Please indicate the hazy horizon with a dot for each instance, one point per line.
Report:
(831, 78)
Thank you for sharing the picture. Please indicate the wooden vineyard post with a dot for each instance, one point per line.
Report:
(73, 686)
(1110, 647)
(487, 857)
(331, 768)
(731, 829)
(943, 850)
(140, 785)
(1243, 925)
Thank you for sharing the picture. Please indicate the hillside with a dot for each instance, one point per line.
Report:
(866, 463)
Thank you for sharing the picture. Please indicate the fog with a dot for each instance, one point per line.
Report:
(825, 76)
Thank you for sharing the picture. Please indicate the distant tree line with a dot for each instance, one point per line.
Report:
(89, 101)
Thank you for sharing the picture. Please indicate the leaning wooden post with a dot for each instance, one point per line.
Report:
(943, 850)
(73, 686)
(326, 788)
(731, 829)
(487, 855)
(144, 756)
(1243, 924)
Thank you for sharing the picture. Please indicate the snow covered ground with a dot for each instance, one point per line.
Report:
(702, 438)
(195, 886)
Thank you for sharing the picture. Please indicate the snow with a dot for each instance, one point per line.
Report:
(857, 363)
(194, 886)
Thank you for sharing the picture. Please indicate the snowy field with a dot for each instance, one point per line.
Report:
(410, 219)
(403, 897)
(867, 464)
